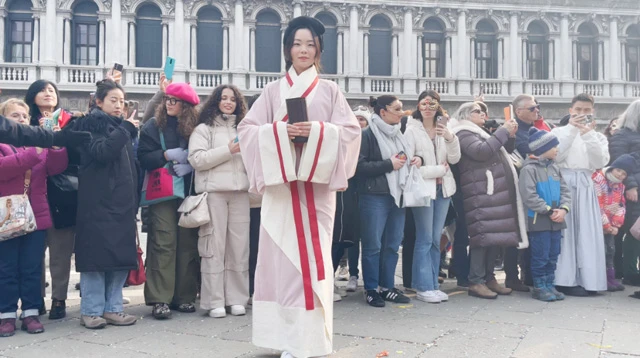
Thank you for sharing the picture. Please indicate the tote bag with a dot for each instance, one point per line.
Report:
(415, 193)
(160, 184)
(16, 215)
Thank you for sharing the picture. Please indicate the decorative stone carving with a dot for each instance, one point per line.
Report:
(106, 4)
(169, 5)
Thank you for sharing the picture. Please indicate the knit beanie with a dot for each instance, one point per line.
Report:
(541, 141)
(183, 91)
(625, 162)
(363, 113)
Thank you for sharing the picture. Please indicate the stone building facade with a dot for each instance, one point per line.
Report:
(552, 49)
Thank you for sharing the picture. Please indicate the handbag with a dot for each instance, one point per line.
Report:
(635, 230)
(160, 184)
(138, 276)
(415, 193)
(16, 214)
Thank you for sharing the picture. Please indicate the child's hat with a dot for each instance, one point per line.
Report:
(541, 141)
(625, 162)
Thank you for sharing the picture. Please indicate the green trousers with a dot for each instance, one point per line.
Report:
(173, 262)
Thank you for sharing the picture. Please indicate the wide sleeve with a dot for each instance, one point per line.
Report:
(150, 152)
(57, 161)
(330, 156)
(597, 149)
(23, 135)
(529, 192)
(201, 155)
(565, 194)
(15, 164)
(106, 149)
(566, 135)
(152, 104)
(480, 149)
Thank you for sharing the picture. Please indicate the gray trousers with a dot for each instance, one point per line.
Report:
(482, 263)
(60, 243)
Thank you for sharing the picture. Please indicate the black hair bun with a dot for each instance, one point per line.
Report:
(373, 101)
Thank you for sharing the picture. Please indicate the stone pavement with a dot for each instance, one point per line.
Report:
(605, 326)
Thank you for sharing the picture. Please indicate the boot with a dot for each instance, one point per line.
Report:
(7, 327)
(494, 286)
(58, 309)
(32, 325)
(552, 287)
(481, 291)
(540, 291)
(613, 284)
(516, 285)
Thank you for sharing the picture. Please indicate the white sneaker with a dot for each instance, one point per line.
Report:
(352, 285)
(442, 296)
(126, 300)
(343, 273)
(340, 290)
(337, 297)
(218, 312)
(428, 296)
(286, 354)
(238, 310)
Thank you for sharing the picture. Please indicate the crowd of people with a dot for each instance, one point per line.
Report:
(287, 200)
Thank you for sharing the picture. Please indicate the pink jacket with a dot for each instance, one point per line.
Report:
(14, 163)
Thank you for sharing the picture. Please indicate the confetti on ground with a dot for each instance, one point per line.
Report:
(599, 346)
(382, 354)
(400, 352)
(405, 306)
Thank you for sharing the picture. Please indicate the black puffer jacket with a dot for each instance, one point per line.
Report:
(107, 196)
(626, 141)
(372, 168)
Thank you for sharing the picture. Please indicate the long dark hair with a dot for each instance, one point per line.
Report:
(381, 102)
(428, 93)
(187, 119)
(211, 108)
(30, 99)
(288, 45)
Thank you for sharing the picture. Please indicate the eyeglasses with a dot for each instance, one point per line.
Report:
(171, 100)
(476, 111)
(533, 108)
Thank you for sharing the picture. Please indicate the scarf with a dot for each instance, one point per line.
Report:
(391, 142)
(612, 178)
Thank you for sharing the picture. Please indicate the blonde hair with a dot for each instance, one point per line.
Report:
(4, 106)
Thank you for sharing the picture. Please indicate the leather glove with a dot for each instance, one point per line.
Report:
(182, 169)
(177, 155)
(70, 138)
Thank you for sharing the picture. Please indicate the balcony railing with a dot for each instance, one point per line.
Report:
(490, 87)
(17, 73)
(382, 84)
(442, 86)
(541, 88)
(143, 76)
(596, 89)
(208, 79)
(87, 75)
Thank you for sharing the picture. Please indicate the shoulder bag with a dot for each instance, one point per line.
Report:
(160, 184)
(16, 215)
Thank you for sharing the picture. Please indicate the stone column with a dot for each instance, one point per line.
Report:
(366, 53)
(239, 43)
(165, 40)
(194, 46)
(464, 81)
(282, 61)
(297, 8)
(354, 41)
(101, 35)
(50, 31)
(409, 56)
(515, 63)
(567, 53)
(500, 73)
(252, 43)
(113, 36)
(66, 55)
(615, 65)
(35, 46)
(601, 60)
(340, 67)
(419, 68)
(225, 47)
(394, 55)
(448, 45)
(177, 45)
(132, 43)
(3, 14)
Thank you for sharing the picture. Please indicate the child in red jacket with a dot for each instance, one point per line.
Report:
(610, 190)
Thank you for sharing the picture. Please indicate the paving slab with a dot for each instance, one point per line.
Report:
(553, 342)
(621, 337)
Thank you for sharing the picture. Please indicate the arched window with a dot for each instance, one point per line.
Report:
(19, 27)
(330, 39)
(149, 36)
(434, 48)
(538, 51)
(486, 51)
(380, 46)
(587, 52)
(210, 40)
(84, 40)
(268, 42)
(633, 53)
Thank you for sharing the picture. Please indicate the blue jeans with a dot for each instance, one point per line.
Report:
(382, 226)
(429, 222)
(545, 249)
(101, 292)
(21, 261)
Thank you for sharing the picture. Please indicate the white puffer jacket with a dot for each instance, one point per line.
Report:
(434, 157)
(216, 169)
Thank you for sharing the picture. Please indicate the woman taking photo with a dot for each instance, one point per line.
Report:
(107, 205)
(294, 271)
(172, 251)
(493, 208)
(223, 244)
(383, 171)
(429, 138)
(25, 170)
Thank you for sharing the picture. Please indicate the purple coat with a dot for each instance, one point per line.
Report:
(14, 163)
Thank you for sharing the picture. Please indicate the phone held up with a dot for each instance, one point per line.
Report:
(169, 66)
(117, 69)
(402, 156)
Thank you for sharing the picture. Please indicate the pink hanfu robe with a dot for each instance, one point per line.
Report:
(293, 299)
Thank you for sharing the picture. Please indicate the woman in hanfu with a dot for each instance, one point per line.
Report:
(293, 299)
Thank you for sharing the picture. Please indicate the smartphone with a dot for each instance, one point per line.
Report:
(589, 119)
(236, 140)
(297, 112)
(440, 119)
(134, 106)
(117, 68)
(169, 65)
(508, 113)
(402, 156)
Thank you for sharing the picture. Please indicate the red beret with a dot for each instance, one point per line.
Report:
(184, 92)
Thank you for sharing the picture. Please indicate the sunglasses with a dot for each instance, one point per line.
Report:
(477, 111)
(171, 100)
(533, 108)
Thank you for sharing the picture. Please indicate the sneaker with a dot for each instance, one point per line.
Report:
(352, 285)
(339, 290)
(126, 300)
(32, 325)
(218, 312)
(58, 309)
(374, 299)
(93, 322)
(184, 307)
(337, 297)
(161, 311)
(343, 273)
(394, 295)
(443, 296)
(7, 327)
(238, 310)
(428, 296)
(119, 318)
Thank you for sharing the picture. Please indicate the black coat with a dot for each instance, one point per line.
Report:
(346, 227)
(23, 135)
(372, 169)
(150, 152)
(626, 141)
(107, 200)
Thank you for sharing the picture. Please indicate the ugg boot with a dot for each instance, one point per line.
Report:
(613, 284)
(540, 291)
(551, 285)
(481, 291)
(494, 286)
